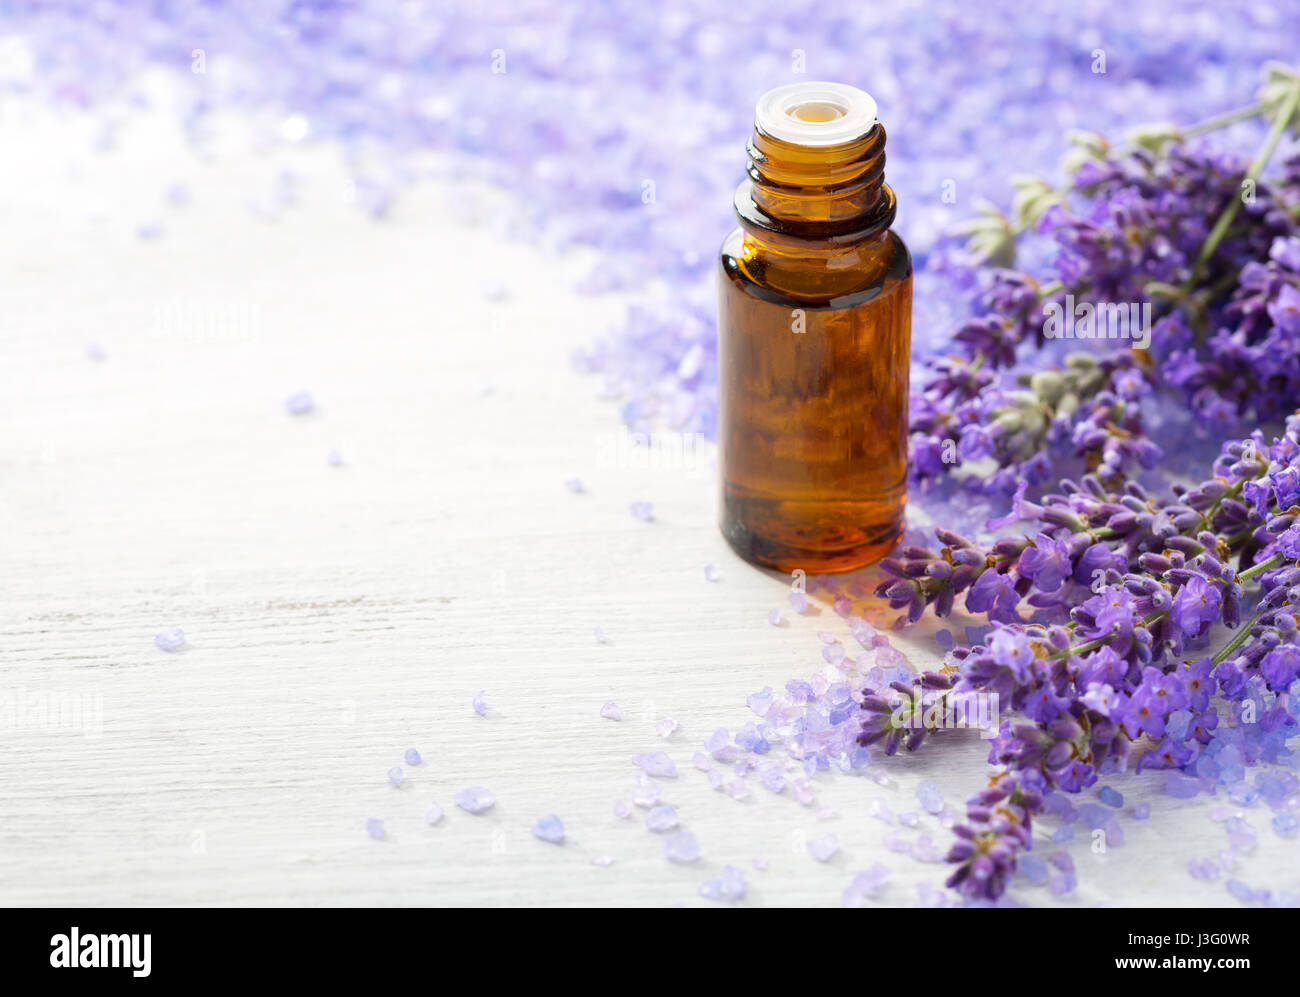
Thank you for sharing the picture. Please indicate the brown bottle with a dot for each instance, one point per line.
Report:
(814, 329)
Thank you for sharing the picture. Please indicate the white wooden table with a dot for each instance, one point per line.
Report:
(336, 616)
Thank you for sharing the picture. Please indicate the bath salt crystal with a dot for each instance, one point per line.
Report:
(602, 860)
(711, 573)
(774, 617)
(299, 403)
(647, 793)
(170, 640)
(622, 809)
(475, 800)
(681, 847)
(611, 711)
(733, 883)
(823, 849)
(1110, 797)
(412, 757)
(799, 602)
(395, 775)
(656, 763)
(644, 511)
(434, 814)
(375, 827)
(549, 828)
(738, 789)
(575, 485)
(865, 885)
(666, 727)
(479, 703)
(600, 635)
(662, 818)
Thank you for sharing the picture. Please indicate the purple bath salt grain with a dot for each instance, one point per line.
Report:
(865, 885)
(681, 847)
(774, 617)
(662, 818)
(1220, 814)
(715, 778)
(412, 757)
(1286, 825)
(479, 703)
(1241, 891)
(666, 727)
(799, 602)
(1033, 868)
(647, 792)
(702, 761)
(761, 702)
(833, 653)
(434, 814)
(1142, 811)
(475, 799)
(738, 789)
(602, 860)
(655, 763)
(1110, 797)
(1181, 786)
(823, 849)
(1062, 884)
(600, 635)
(1114, 833)
(909, 819)
(1062, 861)
(611, 711)
(549, 828)
(299, 403)
(895, 842)
(771, 776)
(711, 889)
(170, 640)
(575, 485)
(395, 775)
(924, 849)
(334, 458)
(930, 798)
(760, 863)
(879, 809)
(711, 573)
(95, 352)
(622, 809)
(1063, 834)
(733, 883)
(375, 828)
(644, 511)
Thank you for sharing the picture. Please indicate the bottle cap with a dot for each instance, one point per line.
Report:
(815, 114)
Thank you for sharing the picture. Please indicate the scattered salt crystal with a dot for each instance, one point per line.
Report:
(575, 485)
(647, 793)
(711, 573)
(171, 640)
(475, 800)
(549, 828)
(774, 617)
(681, 847)
(662, 818)
(600, 635)
(1286, 824)
(375, 827)
(479, 703)
(930, 798)
(666, 727)
(733, 883)
(644, 511)
(622, 809)
(334, 458)
(865, 884)
(299, 403)
(1142, 811)
(738, 789)
(412, 757)
(656, 763)
(1110, 797)
(880, 810)
(823, 849)
(434, 814)
(602, 860)
(610, 711)
(799, 602)
(395, 775)
(760, 863)
(909, 819)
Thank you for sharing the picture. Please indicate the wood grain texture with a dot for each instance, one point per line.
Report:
(337, 616)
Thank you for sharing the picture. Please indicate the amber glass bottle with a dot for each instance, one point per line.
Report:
(814, 329)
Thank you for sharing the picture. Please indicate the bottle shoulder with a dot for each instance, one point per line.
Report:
(879, 268)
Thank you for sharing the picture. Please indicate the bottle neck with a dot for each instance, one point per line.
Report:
(813, 215)
(817, 192)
